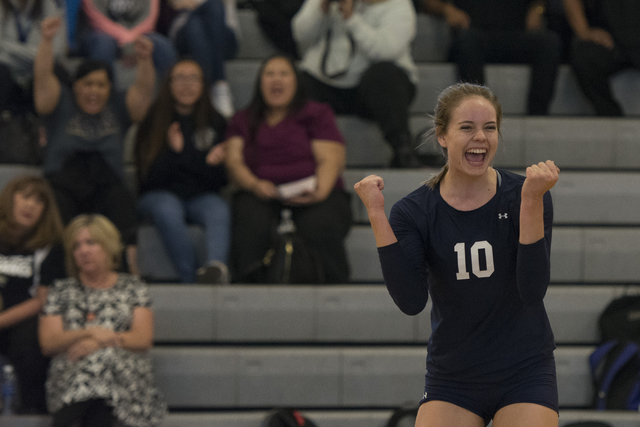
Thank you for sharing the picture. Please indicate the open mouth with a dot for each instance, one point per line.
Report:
(476, 155)
(276, 90)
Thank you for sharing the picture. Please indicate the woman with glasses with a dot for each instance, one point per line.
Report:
(180, 155)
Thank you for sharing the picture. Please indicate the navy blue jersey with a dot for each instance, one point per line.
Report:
(488, 319)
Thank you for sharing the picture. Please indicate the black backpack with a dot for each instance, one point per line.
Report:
(289, 260)
(286, 417)
(615, 364)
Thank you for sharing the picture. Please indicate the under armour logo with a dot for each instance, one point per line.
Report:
(503, 216)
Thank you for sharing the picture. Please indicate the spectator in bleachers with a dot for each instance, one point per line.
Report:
(85, 129)
(98, 327)
(31, 258)
(356, 56)
(206, 31)
(607, 40)
(282, 138)
(115, 25)
(498, 31)
(476, 241)
(180, 157)
(20, 36)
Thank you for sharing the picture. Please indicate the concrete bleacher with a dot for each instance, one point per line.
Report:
(222, 381)
(346, 354)
(594, 240)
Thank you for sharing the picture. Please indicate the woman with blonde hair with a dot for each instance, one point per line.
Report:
(31, 258)
(98, 325)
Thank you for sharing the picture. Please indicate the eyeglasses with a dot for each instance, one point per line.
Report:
(186, 79)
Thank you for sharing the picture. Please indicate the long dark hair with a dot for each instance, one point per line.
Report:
(49, 227)
(152, 132)
(258, 108)
(35, 13)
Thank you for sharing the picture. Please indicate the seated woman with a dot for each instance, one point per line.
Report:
(180, 158)
(114, 26)
(85, 131)
(98, 325)
(20, 35)
(281, 138)
(31, 258)
(207, 31)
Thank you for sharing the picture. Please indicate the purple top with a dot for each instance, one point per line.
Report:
(282, 153)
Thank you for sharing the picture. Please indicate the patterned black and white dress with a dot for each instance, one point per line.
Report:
(123, 378)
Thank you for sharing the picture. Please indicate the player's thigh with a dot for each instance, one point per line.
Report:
(525, 415)
(436, 413)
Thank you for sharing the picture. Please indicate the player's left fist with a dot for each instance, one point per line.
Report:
(540, 179)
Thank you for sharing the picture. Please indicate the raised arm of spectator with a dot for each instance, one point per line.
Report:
(456, 18)
(390, 38)
(310, 23)
(46, 86)
(140, 95)
(242, 176)
(577, 19)
(146, 22)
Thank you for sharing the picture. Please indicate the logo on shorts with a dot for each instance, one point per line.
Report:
(424, 396)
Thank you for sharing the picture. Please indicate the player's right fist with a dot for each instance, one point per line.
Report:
(370, 192)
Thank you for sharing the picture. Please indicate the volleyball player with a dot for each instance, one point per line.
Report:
(475, 239)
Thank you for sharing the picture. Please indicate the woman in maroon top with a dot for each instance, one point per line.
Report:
(282, 138)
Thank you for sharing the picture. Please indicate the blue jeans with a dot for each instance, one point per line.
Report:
(207, 39)
(103, 47)
(170, 215)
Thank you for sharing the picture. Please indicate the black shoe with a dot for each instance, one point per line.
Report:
(214, 272)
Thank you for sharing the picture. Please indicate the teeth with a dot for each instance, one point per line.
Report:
(477, 151)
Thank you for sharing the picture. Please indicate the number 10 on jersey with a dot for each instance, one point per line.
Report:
(460, 250)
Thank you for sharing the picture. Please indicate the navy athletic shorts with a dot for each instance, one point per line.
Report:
(533, 384)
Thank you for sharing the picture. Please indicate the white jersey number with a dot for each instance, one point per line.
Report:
(485, 246)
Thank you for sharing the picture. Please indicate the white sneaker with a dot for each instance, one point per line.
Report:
(221, 98)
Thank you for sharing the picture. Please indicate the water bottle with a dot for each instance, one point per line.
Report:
(286, 226)
(8, 389)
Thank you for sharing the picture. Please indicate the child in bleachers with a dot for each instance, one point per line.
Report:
(180, 156)
(31, 258)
